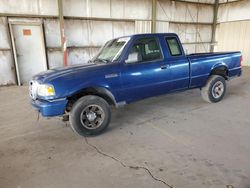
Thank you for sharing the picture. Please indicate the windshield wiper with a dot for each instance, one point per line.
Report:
(102, 60)
(90, 61)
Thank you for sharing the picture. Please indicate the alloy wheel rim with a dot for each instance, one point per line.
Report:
(92, 116)
(218, 89)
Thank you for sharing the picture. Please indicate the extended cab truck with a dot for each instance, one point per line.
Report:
(125, 70)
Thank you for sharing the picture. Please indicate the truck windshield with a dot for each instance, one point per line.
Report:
(111, 51)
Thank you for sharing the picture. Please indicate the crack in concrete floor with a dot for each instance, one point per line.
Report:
(127, 166)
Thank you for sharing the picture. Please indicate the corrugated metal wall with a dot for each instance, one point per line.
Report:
(235, 36)
(233, 30)
(7, 71)
(236, 11)
(85, 37)
(89, 23)
(192, 22)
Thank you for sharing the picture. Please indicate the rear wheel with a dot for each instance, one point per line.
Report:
(214, 90)
(90, 115)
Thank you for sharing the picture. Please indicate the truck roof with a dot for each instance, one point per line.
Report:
(150, 34)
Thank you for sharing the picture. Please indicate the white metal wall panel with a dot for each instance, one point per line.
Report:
(7, 75)
(226, 1)
(99, 9)
(187, 33)
(78, 56)
(191, 32)
(52, 32)
(201, 1)
(209, 1)
(87, 8)
(78, 8)
(204, 33)
(95, 33)
(117, 8)
(81, 55)
(234, 11)
(137, 9)
(168, 10)
(162, 27)
(235, 36)
(3, 33)
(120, 9)
(142, 26)
(189, 48)
(47, 7)
(205, 13)
(55, 59)
(77, 32)
(201, 48)
(6, 63)
(196, 48)
(100, 32)
(165, 10)
(123, 28)
(34, 7)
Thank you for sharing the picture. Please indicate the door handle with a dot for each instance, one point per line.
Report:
(164, 66)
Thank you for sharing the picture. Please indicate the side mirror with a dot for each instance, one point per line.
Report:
(132, 57)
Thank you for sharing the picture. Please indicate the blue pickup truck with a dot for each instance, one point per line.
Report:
(125, 70)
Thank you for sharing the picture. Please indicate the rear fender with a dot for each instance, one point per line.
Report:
(220, 69)
(219, 65)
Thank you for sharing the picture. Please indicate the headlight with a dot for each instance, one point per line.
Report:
(45, 90)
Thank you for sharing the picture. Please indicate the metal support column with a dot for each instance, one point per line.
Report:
(213, 41)
(153, 22)
(62, 31)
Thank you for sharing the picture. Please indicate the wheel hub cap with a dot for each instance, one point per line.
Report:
(91, 116)
(218, 89)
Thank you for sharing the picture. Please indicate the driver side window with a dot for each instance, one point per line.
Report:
(143, 50)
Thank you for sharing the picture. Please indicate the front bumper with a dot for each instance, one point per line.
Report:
(50, 108)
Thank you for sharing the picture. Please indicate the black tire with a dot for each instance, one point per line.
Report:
(90, 115)
(214, 90)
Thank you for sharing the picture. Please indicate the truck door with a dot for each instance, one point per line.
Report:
(145, 72)
(178, 64)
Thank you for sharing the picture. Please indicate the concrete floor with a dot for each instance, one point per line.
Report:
(174, 140)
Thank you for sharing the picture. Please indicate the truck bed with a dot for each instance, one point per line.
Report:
(201, 65)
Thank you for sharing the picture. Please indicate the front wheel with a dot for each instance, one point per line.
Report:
(90, 115)
(215, 89)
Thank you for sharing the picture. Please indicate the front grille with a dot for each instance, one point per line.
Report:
(33, 89)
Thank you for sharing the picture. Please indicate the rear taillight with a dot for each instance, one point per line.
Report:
(241, 61)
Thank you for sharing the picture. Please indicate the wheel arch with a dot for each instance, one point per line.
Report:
(220, 69)
(98, 91)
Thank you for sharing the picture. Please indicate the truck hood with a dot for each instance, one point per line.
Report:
(68, 80)
(52, 74)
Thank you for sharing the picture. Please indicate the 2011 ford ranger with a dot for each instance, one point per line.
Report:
(125, 70)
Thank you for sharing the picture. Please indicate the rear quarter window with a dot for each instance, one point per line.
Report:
(173, 46)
